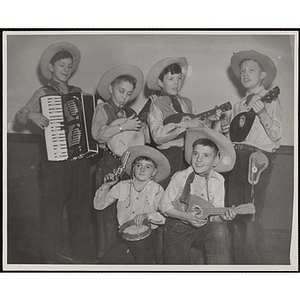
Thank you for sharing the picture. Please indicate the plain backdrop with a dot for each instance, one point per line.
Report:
(210, 81)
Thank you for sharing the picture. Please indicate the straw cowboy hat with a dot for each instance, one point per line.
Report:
(227, 152)
(117, 71)
(160, 66)
(266, 62)
(163, 166)
(52, 50)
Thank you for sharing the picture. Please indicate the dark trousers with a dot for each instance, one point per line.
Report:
(107, 218)
(180, 237)
(128, 252)
(66, 185)
(248, 237)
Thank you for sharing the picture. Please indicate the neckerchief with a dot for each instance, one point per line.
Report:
(174, 100)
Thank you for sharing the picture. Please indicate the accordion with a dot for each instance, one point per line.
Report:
(68, 136)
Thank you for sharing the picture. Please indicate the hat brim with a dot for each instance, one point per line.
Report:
(163, 165)
(52, 50)
(266, 62)
(117, 71)
(160, 66)
(227, 152)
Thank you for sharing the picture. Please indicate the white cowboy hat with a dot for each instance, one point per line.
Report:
(227, 152)
(117, 71)
(52, 50)
(160, 66)
(265, 61)
(162, 163)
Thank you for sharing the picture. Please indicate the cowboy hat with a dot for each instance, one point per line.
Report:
(52, 50)
(162, 163)
(227, 152)
(117, 71)
(160, 66)
(265, 61)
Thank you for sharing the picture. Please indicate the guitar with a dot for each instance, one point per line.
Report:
(120, 142)
(242, 123)
(179, 117)
(205, 208)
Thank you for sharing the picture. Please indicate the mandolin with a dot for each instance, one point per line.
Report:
(242, 123)
(206, 209)
(179, 117)
(120, 142)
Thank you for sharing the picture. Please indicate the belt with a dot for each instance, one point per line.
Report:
(111, 153)
(249, 148)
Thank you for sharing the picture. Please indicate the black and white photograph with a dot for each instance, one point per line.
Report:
(150, 150)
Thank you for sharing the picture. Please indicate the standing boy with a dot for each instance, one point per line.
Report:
(117, 87)
(167, 76)
(208, 152)
(256, 72)
(65, 184)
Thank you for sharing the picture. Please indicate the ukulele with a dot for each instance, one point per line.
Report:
(242, 123)
(205, 208)
(120, 142)
(179, 117)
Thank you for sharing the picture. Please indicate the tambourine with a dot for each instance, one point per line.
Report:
(131, 232)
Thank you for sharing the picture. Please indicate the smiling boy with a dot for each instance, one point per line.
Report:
(206, 151)
(137, 200)
(64, 184)
(256, 72)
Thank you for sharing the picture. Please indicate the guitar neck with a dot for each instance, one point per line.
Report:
(224, 107)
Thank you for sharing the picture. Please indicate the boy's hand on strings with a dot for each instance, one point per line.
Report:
(216, 116)
(132, 123)
(139, 219)
(191, 123)
(153, 97)
(194, 219)
(228, 215)
(38, 119)
(259, 107)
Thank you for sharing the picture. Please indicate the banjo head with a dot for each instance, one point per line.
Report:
(130, 232)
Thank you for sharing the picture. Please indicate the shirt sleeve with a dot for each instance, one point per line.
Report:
(103, 198)
(161, 133)
(32, 105)
(99, 124)
(172, 193)
(156, 217)
(272, 122)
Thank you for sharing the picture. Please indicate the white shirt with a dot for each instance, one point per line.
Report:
(131, 202)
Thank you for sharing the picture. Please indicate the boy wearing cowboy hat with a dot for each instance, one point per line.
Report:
(60, 186)
(137, 199)
(116, 87)
(167, 76)
(256, 72)
(208, 153)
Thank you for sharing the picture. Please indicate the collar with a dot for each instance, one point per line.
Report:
(258, 91)
(212, 174)
(114, 106)
(60, 86)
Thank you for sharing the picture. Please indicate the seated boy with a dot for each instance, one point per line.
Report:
(208, 152)
(138, 200)
(167, 77)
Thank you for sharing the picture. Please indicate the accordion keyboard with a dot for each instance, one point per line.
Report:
(55, 134)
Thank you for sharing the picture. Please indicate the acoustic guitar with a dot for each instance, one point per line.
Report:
(179, 117)
(120, 142)
(242, 123)
(205, 208)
